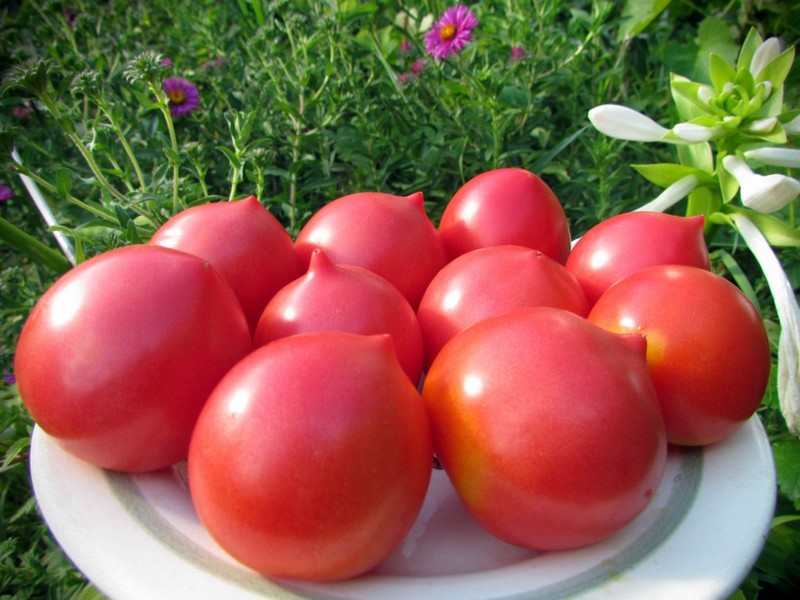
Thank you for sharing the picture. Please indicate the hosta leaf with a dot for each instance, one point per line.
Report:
(665, 174)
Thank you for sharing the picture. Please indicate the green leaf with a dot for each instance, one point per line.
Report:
(699, 156)
(787, 466)
(684, 98)
(686, 94)
(749, 47)
(720, 71)
(665, 174)
(637, 15)
(777, 232)
(513, 95)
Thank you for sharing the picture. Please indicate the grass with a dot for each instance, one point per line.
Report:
(303, 102)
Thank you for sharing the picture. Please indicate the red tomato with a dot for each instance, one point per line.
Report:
(312, 457)
(244, 242)
(707, 349)
(117, 358)
(632, 241)
(344, 298)
(548, 427)
(491, 281)
(505, 206)
(388, 235)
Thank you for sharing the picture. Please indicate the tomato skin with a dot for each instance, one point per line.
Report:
(389, 235)
(505, 206)
(344, 298)
(491, 281)
(243, 241)
(312, 457)
(707, 349)
(117, 358)
(628, 242)
(548, 427)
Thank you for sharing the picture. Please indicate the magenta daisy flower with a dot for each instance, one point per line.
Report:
(451, 33)
(182, 94)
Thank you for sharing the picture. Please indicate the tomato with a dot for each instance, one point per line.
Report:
(243, 241)
(490, 281)
(548, 427)
(631, 241)
(312, 457)
(389, 235)
(118, 357)
(344, 298)
(505, 206)
(707, 349)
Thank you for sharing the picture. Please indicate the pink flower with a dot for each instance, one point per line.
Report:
(6, 193)
(22, 112)
(405, 46)
(183, 96)
(166, 62)
(417, 66)
(518, 53)
(451, 33)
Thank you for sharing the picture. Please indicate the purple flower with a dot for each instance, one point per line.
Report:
(406, 46)
(166, 62)
(9, 378)
(6, 193)
(22, 112)
(518, 53)
(182, 94)
(451, 33)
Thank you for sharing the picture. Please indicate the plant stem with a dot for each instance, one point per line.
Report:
(29, 245)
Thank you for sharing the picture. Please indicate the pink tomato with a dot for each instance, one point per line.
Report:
(548, 427)
(118, 357)
(491, 281)
(707, 349)
(312, 457)
(386, 234)
(505, 206)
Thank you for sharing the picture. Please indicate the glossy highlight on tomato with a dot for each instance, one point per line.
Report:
(118, 357)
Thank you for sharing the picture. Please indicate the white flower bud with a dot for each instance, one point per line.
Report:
(764, 54)
(776, 157)
(764, 193)
(625, 123)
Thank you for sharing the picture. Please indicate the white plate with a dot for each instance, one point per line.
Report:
(138, 536)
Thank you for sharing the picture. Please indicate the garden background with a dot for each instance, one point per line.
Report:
(301, 102)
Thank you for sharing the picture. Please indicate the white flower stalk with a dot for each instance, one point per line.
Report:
(788, 316)
(764, 193)
(764, 54)
(671, 195)
(776, 157)
(625, 123)
(693, 133)
(792, 127)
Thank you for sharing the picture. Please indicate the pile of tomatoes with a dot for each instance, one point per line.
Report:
(309, 383)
